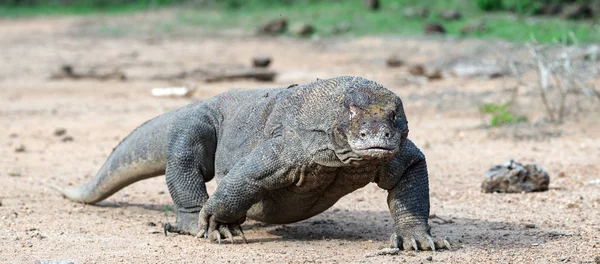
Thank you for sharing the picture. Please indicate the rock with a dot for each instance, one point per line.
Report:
(473, 28)
(67, 71)
(171, 92)
(529, 225)
(371, 4)
(393, 61)
(415, 12)
(558, 233)
(477, 69)
(20, 148)
(340, 28)
(302, 30)
(261, 61)
(0, 202)
(429, 258)
(14, 174)
(420, 70)
(512, 177)
(450, 14)
(154, 231)
(60, 132)
(417, 70)
(577, 11)
(67, 139)
(434, 74)
(433, 28)
(150, 223)
(593, 182)
(273, 27)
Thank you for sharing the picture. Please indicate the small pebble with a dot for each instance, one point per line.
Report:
(67, 139)
(150, 224)
(154, 231)
(60, 132)
(20, 148)
(430, 258)
(529, 226)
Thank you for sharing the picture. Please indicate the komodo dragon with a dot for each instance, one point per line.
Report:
(279, 156)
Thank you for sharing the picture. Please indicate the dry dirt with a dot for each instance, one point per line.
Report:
(37, 224)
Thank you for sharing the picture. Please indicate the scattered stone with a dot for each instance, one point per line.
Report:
(478, 69)
(558, 233)
(512, 177)
(473, 28)
(303, 30)
(150, 223)
(20, 148)
(450, 14)
(67, 139)
(0, 202)
(393, 61)
(563, 259)
(222, 72)
(577, 11)
(529, 226)
(429, 258)
(593, 182)
(384, 251)
(60, 132)
(273, 27)
(416, 12)
(67, 72)
(434, 74)
(417, 70)
(572, 205)
(14, 174)
(341, 28)
(433, 28)
(171, 92)
(261, 61)
(420, 70)
(372, 4)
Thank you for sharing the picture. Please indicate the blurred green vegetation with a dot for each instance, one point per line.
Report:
(503, 19)
(501, 114)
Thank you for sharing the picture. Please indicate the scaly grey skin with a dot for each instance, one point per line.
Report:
(279, 156)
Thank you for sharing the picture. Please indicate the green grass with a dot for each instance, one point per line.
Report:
(326, 14)
(501, 114)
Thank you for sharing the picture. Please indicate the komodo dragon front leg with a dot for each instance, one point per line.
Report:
(269, 166)
(408, 199)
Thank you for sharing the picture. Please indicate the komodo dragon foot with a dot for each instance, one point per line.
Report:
(186, 224)
(215, 230)
(418, 241)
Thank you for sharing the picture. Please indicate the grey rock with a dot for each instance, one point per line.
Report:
(513, 177)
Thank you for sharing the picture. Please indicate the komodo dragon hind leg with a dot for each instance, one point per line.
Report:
(190, 163)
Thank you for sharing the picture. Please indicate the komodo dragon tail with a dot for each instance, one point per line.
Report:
(139, 156)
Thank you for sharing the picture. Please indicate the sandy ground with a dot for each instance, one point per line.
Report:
(37, 224)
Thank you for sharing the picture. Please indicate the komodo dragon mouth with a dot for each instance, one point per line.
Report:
(376, 152)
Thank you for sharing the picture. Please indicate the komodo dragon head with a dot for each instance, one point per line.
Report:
(374, 123)
(371, 123)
